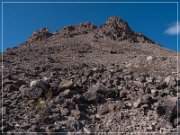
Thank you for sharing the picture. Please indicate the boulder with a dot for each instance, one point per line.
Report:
(95, 93)
(39, 83)
(35, 90)
(91, 96)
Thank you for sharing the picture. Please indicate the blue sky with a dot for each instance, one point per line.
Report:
(156, 21)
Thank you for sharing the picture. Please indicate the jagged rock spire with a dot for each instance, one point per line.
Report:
(117, 23)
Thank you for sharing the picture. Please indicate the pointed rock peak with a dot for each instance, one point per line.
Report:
(116, 29)
(114, 21)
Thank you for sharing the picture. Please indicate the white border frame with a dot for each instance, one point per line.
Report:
(2, 3)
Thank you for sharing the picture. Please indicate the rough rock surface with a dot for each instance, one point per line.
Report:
(90, 79)
(40, 35)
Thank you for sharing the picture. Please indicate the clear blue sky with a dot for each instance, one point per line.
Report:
(153, 20)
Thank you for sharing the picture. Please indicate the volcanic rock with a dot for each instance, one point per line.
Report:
(85, 78)
(40, 35)
(35, 90)
(103, 109)
(66, 84)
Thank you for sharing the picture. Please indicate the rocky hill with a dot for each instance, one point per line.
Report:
(90, 79)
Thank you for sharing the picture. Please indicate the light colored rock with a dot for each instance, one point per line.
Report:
(66, 84)
(129, 65)
(86, 130)
(153, 91)
(169, 79)
(32, 83)
(76, 113)
(64, 111)
(136, 104)
(148, 58)
(66, 93)
(47, 80)
(149, 79)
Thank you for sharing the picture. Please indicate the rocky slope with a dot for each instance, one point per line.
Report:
(90, 79)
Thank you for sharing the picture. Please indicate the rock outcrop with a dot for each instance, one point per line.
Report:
(117, 29)
(114, 28)
(40, 35)
(83, 28)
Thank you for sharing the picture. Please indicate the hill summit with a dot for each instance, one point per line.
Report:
(90, 80)
(114, 28)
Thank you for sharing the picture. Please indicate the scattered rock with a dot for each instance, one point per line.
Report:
(66, 84)
(95, 93)
(39, 83)
(85, 78)
(36, 89)
(66, 93)
(64, 111)
(137, 103)
(12, 87)
(161, 85)
(111, 106)
(76, 113)
(103, 109)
